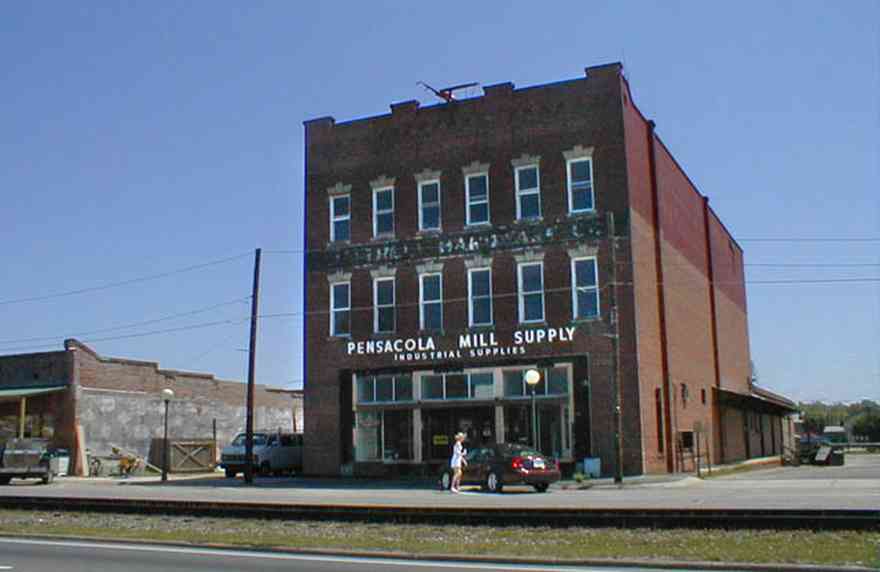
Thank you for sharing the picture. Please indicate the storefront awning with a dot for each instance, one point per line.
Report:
(8, 393)
(759, 400)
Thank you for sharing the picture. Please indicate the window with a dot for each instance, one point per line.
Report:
(383, 294)
(703, 396)
(585, 288)
(554, 381)
(384, 388)
(531, 292)
(684, 395)
(384, 436)
(528, 192)
(340, 218)
(580, 185)
(477, 196)
(429, 205)
(383, 211)
(480, 296)
(431, 301)
(458, 386)
(340, 309)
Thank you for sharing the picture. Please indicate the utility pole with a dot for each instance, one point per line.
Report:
(252, 362)
(615, 355)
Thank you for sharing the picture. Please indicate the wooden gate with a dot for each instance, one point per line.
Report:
(192, 456)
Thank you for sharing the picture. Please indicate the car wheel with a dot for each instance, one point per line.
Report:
(541, 487)
(445, 481)
(493, 483)
(230, 474)
(47, 479)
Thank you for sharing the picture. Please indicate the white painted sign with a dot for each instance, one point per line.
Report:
(484, 344)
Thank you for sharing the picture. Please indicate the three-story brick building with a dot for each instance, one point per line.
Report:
(452, 248)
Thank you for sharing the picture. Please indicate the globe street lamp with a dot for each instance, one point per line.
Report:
(533, 376)
(167, 395)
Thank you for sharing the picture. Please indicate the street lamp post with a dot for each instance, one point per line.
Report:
(533, 376)
(167, 395)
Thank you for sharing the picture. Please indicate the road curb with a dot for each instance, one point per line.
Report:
(515, 560)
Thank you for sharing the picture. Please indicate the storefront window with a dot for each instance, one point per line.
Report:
(482, 386)
(365, 389)
(513, 383)
(558, 381)
(432, 387)
(368, 428)
(403, 388)
(397, 436)
(384, 388)
(384, 435)
(456, 387)
(553, 381)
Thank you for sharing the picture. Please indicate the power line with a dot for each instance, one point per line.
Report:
(144, 334)
(122, 283)
(129, 325)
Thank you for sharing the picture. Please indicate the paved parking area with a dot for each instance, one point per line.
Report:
(854, 486)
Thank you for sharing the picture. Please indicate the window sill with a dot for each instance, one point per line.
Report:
(429, 232)
(581, 321)
(383, 238)
(583, 214)
(541, 324)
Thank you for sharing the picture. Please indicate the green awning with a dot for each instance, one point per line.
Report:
(17, 392)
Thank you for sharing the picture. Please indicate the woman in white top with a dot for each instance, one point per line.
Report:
(457, 462)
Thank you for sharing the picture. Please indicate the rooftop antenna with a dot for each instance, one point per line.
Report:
(447, 94)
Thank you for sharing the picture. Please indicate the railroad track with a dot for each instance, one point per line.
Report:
(846, 519)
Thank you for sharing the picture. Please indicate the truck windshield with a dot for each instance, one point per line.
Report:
(259, 440)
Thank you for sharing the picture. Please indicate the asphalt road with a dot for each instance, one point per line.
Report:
(22, 555)
(853, 486)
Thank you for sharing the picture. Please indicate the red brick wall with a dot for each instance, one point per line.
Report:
(494, 129)
(647, 313)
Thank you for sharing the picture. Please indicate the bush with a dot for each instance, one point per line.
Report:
(579, 477)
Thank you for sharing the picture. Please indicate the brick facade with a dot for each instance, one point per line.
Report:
(115, 402)
(680, 336)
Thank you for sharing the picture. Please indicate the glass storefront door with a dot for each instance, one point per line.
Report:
(439, 427)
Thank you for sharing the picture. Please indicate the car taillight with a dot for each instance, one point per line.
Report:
(516, 464)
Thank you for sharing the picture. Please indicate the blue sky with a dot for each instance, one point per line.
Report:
(142, 138)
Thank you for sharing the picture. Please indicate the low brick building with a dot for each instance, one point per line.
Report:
(454, 247)
(85, 401)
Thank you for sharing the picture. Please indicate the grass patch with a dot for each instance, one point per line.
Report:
(574, 543)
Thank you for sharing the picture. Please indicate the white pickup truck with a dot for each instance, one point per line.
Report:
(274, 453)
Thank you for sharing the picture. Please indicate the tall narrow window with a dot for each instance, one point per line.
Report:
(528, 192)
(383, 212)
(429, 205)
(383, 294)
(580, 185)
(477, 196)
(340, 309)
(585, 288)
(480, 296)
(431, 301)
(340, 218)
(531, 292)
